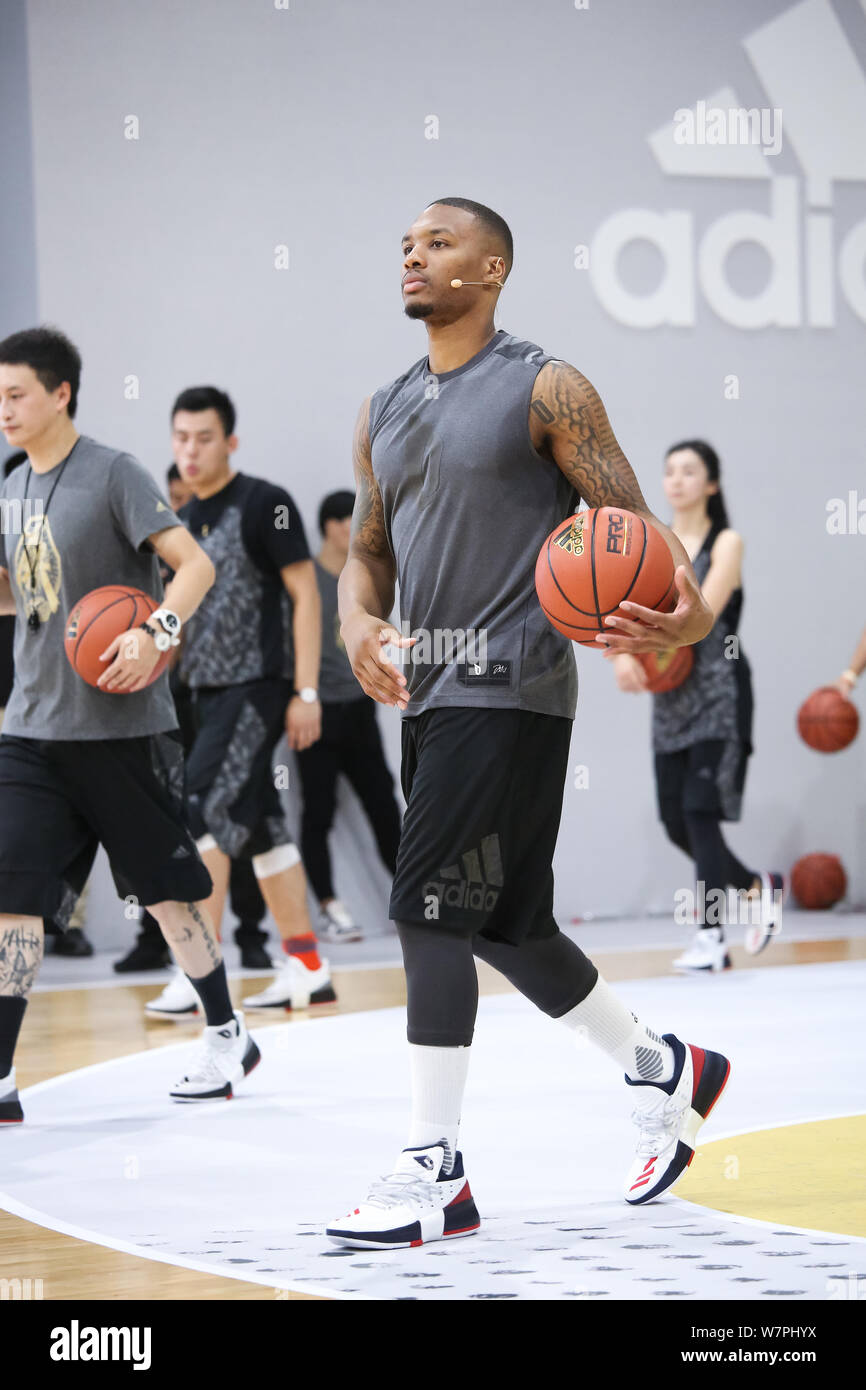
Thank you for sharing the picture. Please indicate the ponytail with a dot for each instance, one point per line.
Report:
(716, 509)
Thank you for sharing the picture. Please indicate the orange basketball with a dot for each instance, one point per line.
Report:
(818, 880)
(666, 670)
(97, 619)
(595, 559)
(827, 721)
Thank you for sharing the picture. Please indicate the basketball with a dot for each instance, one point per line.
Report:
(96, 620)
(594, 560)
(827, 721)
(666, 670)
(818, 880)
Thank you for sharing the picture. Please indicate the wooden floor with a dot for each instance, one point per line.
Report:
(67, 1029)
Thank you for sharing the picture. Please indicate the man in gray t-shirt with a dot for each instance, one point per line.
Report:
(83, 765)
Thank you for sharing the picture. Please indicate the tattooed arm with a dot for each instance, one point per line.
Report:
(366, 587)
(569, 425)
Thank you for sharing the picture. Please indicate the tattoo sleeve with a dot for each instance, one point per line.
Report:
(20, 956)
(578, 436)
(369, 536)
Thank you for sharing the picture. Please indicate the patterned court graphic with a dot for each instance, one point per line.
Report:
(244, 1188)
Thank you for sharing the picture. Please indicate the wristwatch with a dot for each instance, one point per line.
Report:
(169, 622)
(308, 693)
(167, 634)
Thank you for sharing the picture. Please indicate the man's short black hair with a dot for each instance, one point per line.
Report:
(197, 398)
(173, 474)
(14, 461)
(495, 224)
(51, 356)
(336, 507)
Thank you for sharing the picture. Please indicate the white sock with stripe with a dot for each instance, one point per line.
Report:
(438, 1082)
(603, 1019)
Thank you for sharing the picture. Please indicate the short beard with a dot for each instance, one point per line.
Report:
(418, 311)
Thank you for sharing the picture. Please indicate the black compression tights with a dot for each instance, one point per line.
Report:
(442, 985)
(700, 837)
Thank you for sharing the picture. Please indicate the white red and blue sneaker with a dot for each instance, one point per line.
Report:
(10, 1106)
(774, 889)
(669, 1116)
(706, 954)
(295, 987)
(416, 1203)
(178, 1001)
(225, 1056)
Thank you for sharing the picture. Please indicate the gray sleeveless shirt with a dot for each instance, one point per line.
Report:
(468, 502)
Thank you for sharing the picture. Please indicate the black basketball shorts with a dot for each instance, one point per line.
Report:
(707, 778)
(484, 794)
(59, 800)
(231, 792)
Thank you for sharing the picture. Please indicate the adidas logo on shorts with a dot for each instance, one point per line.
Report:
(475, 882)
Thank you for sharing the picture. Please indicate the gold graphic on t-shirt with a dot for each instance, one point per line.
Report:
(338, 641)
(204, 530)
(43, 598)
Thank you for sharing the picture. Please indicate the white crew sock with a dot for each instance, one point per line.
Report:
(604, 1020)
(438, 1082)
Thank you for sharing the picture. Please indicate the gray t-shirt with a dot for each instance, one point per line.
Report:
(468, 502)
(336, 681)
(93, 533)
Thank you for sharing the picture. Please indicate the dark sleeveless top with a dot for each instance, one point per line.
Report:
(468, 502)
(715, 701)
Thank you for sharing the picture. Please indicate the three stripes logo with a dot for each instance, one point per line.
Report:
(475, 882)
(648, 1170)
(570, 539)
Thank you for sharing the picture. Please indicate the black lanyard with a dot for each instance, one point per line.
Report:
(33, 557)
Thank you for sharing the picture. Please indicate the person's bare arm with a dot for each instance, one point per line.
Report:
(134, 653)
(303, 721)
(569, 424)
(366, 587)
(849, 676)
(7, 602)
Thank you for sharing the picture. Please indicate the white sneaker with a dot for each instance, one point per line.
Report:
(773, 892)
(10, 1106)
(224, 1057)
(706, 953)
(412, 1205)
(669, 1115)
(295, 987)
(178, 1000)
(335, 924)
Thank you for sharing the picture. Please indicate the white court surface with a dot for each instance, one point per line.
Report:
(244, 1188)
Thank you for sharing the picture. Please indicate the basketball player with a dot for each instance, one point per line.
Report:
(350, 743)
(464, 465)
(702, 730)
(233, 660)
(81, 765)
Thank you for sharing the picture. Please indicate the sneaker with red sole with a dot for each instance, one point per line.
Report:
(669, 1115)
(414, 1204)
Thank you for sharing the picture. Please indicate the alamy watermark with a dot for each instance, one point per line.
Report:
(715, 125)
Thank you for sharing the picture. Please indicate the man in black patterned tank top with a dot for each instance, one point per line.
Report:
(486, 728)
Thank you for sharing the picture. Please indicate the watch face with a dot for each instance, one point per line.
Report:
(170, 621)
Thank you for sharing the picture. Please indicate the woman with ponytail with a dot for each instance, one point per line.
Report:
(702, 730)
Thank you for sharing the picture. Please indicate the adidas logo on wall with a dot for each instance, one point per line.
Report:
(814, 83)
(475, 882)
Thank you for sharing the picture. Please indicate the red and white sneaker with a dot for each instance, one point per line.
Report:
(295, 986)
(669, 1116)
(774, 890)
(414, 1204)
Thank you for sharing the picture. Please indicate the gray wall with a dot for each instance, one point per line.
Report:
(307, 127)
(18, 303)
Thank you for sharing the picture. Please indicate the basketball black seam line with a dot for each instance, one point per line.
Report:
(598, 619)
(634, 577)
(585, 612)
(127, 595)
